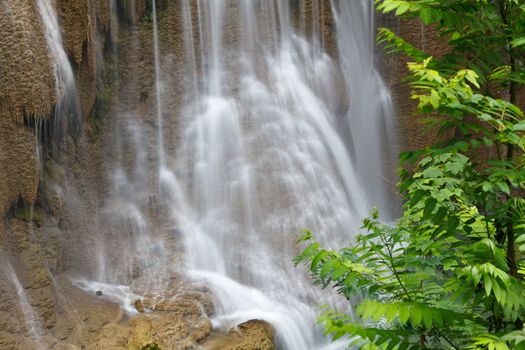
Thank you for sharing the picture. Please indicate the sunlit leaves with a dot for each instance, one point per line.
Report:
(407, 314)
(394, 43)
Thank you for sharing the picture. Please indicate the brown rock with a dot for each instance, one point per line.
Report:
(27, 86)
(175, 323)
(138, 306)
(18, 163)
(250, 335)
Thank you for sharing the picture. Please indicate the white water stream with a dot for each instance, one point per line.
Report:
(276, 133)
(67, 105)
(262, 155)
(32, 322)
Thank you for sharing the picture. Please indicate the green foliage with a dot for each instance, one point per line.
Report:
(485, 36)
(449, 274)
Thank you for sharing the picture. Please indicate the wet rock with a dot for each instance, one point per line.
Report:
(19, 168)
(27, 86)
(98, 293)
(138, 306)
(250, 335)
(54, 171)
(152, 346)
(187, 303)
(24, 214)
(156, 330)
(178, 320)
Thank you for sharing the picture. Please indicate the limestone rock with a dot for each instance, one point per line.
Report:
(250, 335)
(177, 321)
(138, 306)
(27, 86)
(18, 163)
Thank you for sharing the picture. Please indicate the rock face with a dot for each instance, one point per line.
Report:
(175, 331)
(27, 87)
(31, 241)
(176, 323)
(250, 335)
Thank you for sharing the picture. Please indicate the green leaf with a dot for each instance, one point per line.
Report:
(520, 238)
(453, 223)
(434, 99)
(504, 187)
(520, 126)
(404, 313)
(426, 16)
(402, 9)
(318, 258)
(427, 319)
(417, 196)
(339, 272)
(487, 282)
(430, 204)
(440, 215)
(416, 316)
(518, 42)
(432, 172)
(327, 267)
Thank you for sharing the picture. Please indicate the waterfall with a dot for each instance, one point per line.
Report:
(275, 133)
(158, 88)
(32, 321)
(65, 86)
(371, 125)
(262, 155)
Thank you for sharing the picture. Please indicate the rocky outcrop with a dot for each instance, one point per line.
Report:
(85, 24)
(18, 164)
(179, 320)
(27, 87)
(178, 328)
(31, 242)
(250, 335)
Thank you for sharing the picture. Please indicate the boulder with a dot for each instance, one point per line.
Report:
(250, 335)
(175, 323)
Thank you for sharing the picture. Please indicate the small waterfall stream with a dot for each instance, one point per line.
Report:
(64, 77)
(67, 105)
(34, 327)
(371, 125)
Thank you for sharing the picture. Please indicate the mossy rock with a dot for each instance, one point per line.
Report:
(54, 171)
(151, 346)
(27, 214)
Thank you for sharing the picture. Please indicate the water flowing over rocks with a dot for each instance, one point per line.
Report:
(177, 320)
(175, 177)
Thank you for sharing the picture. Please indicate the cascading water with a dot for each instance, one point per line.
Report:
(371, 125)
(66, 91)
(261, 156)
(32, 322)
(274, 134)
